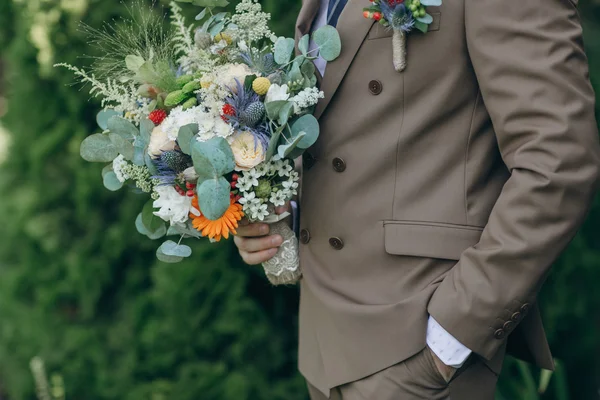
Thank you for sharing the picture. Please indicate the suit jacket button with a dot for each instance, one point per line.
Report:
(375, 87)
(304, 236)
(339, 165)
(509, 326)
(336, 243)
(516, 317)
(499, 334)
(525, 307)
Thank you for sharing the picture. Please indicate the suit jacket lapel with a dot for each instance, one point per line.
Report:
(353, 29)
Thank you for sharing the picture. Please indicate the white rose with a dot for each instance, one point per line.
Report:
(159, 142)
(229, 73)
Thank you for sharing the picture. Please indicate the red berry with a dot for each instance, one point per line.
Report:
(157, 116)
(227, 110)
(190, 193)
(189, 185)
(376, 16)
(233, 185)
(235, 177)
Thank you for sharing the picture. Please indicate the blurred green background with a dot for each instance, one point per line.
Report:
(80, 288)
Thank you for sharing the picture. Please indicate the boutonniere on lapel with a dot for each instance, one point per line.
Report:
(402, 16)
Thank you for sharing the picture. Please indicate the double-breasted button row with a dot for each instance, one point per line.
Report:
(334, 242)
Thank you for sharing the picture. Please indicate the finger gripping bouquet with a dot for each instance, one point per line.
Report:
(206, 121)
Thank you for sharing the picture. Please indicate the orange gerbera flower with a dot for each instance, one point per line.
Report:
(220, 227)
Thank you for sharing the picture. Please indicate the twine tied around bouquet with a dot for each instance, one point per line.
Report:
(284, 267)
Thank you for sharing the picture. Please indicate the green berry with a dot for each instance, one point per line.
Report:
(191, 87)
(175, 98)
(182, 80)
(192, 102)
(263, 190)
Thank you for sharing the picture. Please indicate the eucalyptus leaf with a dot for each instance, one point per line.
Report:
(170, 248)
(146, 73)
(308, 69)
(421, 26)
(201, 16)
(274, 141)
(150, 164)
(98, 148)
(111, 182)
(209, 3)
(303, 44)
(286, 112)
(328, 40)
(134, 62)
(212, 158)
(122, 127)
(284, 47)
(217, 28)
(140, 149)
(125, 147)
(185, 230)
(151, 222)
(139, 225)
(186, 134)
(274, 107)
(167, 259)
(310, 126)
(103, 117)
(146, 128)
(427, 19)
(107, 169)
(213, 197)
(427, 3)
(285, 149)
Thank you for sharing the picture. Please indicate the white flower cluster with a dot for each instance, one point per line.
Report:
(270, 184)
(210, 124)
(306, 98)
(120, 168)
(252, 22)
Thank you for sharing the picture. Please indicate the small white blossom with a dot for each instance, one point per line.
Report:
(174, 208)
(118, 166)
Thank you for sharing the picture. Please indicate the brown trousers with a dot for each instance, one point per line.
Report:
(417, 378)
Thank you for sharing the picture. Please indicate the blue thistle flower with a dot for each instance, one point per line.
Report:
(398, 16)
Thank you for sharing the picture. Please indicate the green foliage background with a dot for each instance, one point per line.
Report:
(83, 290)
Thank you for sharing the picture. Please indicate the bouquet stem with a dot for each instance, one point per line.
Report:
(399, 50)
(284, 268)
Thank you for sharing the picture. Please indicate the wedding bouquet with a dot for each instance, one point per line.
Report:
(206, 121)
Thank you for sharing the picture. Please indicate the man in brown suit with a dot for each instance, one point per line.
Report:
(436, 199)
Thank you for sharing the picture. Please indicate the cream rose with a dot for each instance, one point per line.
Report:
(159, 142)
(247, 151)
(228, 74)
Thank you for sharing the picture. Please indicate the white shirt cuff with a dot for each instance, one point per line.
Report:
(448, 349)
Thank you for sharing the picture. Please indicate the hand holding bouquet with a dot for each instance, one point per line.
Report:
(206, 121)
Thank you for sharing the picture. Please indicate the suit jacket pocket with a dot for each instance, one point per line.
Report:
(379, 31)
(429, 239)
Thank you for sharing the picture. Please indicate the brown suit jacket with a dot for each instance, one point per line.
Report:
(446, 190)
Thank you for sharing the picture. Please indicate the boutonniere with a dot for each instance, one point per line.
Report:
(402, 16)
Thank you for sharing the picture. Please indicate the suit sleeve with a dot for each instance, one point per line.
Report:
(533, 75)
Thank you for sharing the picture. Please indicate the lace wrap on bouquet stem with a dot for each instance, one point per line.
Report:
(284, 268)
(399, 50)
